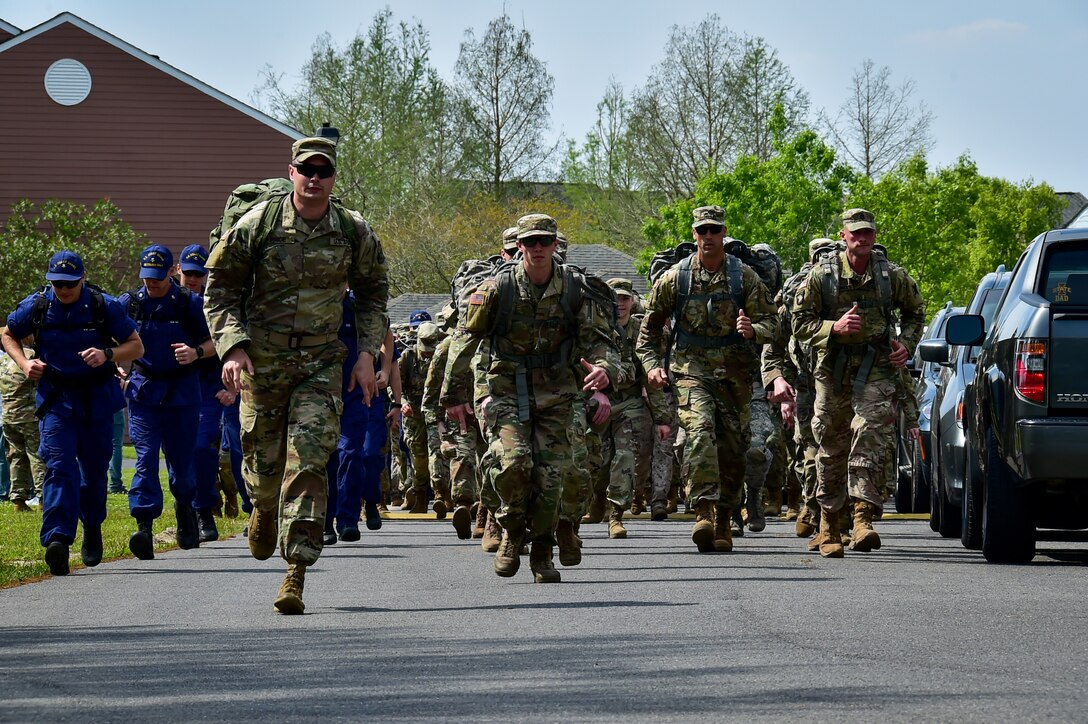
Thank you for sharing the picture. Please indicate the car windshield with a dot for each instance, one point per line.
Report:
(1066, 275)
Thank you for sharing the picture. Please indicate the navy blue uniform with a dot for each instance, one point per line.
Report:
(164, 398)
(76, 404)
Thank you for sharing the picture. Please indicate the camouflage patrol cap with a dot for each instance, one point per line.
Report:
(510, 239)
(817, 245)
(708, 215)
(306, 148)
(537, 225)
(622, 287)
(856, 219)
(428, 335)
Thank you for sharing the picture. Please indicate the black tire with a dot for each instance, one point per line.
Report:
(903, 489)
(971, 511)
(1008, 525)
(950, 515)
(919, 481)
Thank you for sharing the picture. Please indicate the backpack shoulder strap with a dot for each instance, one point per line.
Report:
(505, 288)
(135, 308)
(98, 313)
(883, 278)
(37, 315)
(347, 224)
(683, 287)
(573, 295)
(736, 279)
(830, 282)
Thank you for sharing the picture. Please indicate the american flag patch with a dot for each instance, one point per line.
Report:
(476, 298)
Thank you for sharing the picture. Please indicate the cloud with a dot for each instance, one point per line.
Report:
(987, 29)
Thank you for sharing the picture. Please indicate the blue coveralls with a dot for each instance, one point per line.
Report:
(208, 434)
(75, 408)
(232, 443)
(164, 399)
(356, 466)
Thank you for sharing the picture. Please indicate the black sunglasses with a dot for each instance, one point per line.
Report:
(61, 284)
(194, 273)
(709, 229)
(310, 170)
(530, 241)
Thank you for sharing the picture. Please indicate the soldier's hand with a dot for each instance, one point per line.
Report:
(408, 410)
(184, 354)
(604, 408)
(657, 378)
(236, 361)
(382, 379)
(226, 398)
(34, 369)
(782, 392)
(596, 377)
(460, 415)
(899, 355)
(744, 325)
(915, 434)
(848, 323)
(394, 418)
(663, 431)
(362, 376)
(788, 410)
(93, 357)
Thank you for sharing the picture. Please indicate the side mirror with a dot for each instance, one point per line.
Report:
(965, 329)
(934, 350)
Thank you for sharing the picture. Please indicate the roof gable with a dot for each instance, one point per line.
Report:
(69, 18)
(1075, 204)
(606, 262)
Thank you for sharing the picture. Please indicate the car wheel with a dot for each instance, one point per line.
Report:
(971, 512)
(1008, 526)
(919, 483)
(903, 489)
(949, 517)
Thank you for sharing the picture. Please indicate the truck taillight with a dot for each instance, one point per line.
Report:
(1030, 374)
(959, 412)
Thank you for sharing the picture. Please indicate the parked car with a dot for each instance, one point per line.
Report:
(912, 487)
(950, 449)
(1027, 418)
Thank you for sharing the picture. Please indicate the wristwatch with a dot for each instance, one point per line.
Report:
(108, 351)
(199, 351)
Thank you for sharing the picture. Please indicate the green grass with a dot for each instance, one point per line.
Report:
(21, 552)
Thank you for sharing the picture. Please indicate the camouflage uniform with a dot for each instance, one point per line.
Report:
(20, 427)
(664, 457)
(460, 449)
(279, 298)
(527, 411)
(853, 413)
(414, 363)
(761, 452)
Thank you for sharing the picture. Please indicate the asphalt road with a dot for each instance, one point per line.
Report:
(412, 624)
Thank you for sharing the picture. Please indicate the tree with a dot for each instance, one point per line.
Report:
(707, 104)
(110, 248)
(394, 113)
(878, 126)
(505, 95)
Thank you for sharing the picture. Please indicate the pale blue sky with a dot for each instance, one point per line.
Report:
(1003, 78)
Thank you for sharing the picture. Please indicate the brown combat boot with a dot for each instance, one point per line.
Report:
(462, 522)
(289, 601)
(637, 504)
(540, 562)
(492, 534)
(702, 533)
(508, 557)
(21, 506)
(831, 545)
(419, 501)
(864, 538)
(820, 537)
(793, 500)
(409, 499)
(262, 533)
(673, 503)
(441, 505)
(772, 501)
(570, 548)
(230, 508)
(723, 529)
(481, 521)
(596, 510)
(806, 523)
(615, 523)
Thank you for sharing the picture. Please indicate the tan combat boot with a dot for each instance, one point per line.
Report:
(540, 562)
(492, 534)
(570, 548)
(462, 522)
(596, 510)
(637, 504)
(864, 538)
(673, 503)
(481, 521)
(723, 529)
(702, 533)
(817, 540)
(289, 601)
(772, 501)
(21, 506)
(615, 523)
(508, 557)
(806, 523)
(831, 546)
(419, 501)
(793, 500)
(441, 505)
(262, 533)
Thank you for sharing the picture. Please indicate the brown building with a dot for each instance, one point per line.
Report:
(87, 116)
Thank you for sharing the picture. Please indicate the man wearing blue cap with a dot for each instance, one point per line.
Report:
(79, 333)
(163, 392)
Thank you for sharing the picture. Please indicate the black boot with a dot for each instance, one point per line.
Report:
(142, 543)
(187, 534)
(56, 557)
(91, 552)
(208, 530)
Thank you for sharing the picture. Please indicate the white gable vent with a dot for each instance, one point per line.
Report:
(68, 82)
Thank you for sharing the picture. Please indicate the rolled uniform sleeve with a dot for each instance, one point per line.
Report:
(808, 325)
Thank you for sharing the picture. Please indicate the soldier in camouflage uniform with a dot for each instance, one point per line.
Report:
(21, 433)
(849, 323)
(414, 363)
(275, 281)
(725, 307)
(634, 423)
(536, 316)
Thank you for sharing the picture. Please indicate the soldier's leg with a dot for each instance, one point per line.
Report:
(551, 456)
(511, 449)
(19, 455)
(733, 418)
(623, 438)
(232, 444)
(776, 474)
(758, 458)
(206, 454)
(145, 499)
(661, 470)
(350, 470)
(116, 485)
(642, 447)
(577, 490)
(832, 415)
(873, 424)
(178, 444)
(263, 422)
(374, 457)
(463, 465)
(440, 470)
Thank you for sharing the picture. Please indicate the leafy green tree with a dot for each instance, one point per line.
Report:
(110, 248)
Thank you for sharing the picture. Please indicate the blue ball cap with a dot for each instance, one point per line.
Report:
(156, 261)
(65, 266)
(193, 258)
(418, 317)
